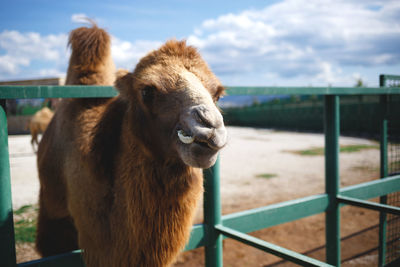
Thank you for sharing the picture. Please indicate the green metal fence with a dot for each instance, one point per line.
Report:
(236, 226)
(390, 224)
(359, 116)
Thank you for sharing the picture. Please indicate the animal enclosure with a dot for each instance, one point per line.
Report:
(216, 227)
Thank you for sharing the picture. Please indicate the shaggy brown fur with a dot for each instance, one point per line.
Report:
(38, 124)
(90, 62)
(113, 170)
(56, 232)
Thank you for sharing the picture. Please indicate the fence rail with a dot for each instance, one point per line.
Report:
(216, 227)
(76, 91)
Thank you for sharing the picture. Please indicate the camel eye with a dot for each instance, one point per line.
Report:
(219, 93)
(148, 94)
(217, 97)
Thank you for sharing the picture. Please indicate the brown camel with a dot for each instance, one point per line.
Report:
(38, 124)
(120, 178)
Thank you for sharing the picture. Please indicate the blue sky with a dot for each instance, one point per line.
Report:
(284, 43)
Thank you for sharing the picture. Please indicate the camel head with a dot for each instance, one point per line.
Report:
(172, 97)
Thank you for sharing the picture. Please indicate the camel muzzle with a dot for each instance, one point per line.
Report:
(203, 126)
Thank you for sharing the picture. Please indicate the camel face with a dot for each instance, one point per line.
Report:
(199, 132)
(176, 94)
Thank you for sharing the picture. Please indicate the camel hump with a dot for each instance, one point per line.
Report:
(90, 46)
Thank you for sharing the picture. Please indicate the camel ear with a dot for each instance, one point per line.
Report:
(124, 82)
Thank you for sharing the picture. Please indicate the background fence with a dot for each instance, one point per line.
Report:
(360, 114)
(393, 221)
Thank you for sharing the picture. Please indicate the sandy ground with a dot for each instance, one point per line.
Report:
(24, 176)
(250, 153)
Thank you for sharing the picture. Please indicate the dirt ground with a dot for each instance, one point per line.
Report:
(258, 167)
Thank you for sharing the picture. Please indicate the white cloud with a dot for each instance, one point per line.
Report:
(291, 42)
(22, 50)
(9, 64)
(31, 55)
(79, 18)
(126, 54)
(51, 73)
(305, 39)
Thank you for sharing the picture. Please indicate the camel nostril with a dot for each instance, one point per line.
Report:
(202, 116)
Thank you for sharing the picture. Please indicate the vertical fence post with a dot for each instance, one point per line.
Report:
(212, 216)
(383, 171)
(332, 215)
(7, 243)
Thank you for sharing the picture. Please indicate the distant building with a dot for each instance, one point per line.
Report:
(45, 81)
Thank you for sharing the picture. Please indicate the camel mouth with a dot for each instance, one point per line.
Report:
(200, 155)
(204, 144)
(196, 151)
(187, 139)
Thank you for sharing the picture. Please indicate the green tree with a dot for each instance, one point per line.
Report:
(359, 83)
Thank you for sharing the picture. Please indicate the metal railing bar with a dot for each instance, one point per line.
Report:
(383, 160)
(55, 91)
(260, 218)
(7, 239)
(263, 217)
(369, 205)
(196, 237)
(73, 258)
(311, 90)
(270, 248)
(373, 188)
(332, 178)
(212, 216)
